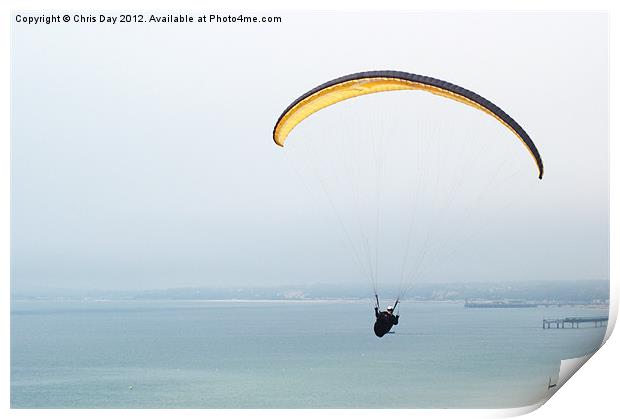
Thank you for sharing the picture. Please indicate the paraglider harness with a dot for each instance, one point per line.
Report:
(384, 320)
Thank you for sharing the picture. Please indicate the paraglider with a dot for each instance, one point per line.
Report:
(384, 320)
(371, 82)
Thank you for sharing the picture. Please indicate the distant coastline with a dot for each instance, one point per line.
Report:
(550, 293)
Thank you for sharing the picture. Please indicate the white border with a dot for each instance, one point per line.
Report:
(589, 394)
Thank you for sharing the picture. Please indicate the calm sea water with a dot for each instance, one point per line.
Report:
(203, 354)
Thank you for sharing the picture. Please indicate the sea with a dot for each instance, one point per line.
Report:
(285, 354)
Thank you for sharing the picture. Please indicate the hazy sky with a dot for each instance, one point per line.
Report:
(142, 154)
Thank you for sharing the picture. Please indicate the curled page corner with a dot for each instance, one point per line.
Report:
(568, 367)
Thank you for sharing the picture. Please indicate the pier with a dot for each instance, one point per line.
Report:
(574, 322)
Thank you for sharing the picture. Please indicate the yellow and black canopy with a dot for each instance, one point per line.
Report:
(369, 82)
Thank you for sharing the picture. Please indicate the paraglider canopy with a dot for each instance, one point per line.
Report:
(370, 82)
